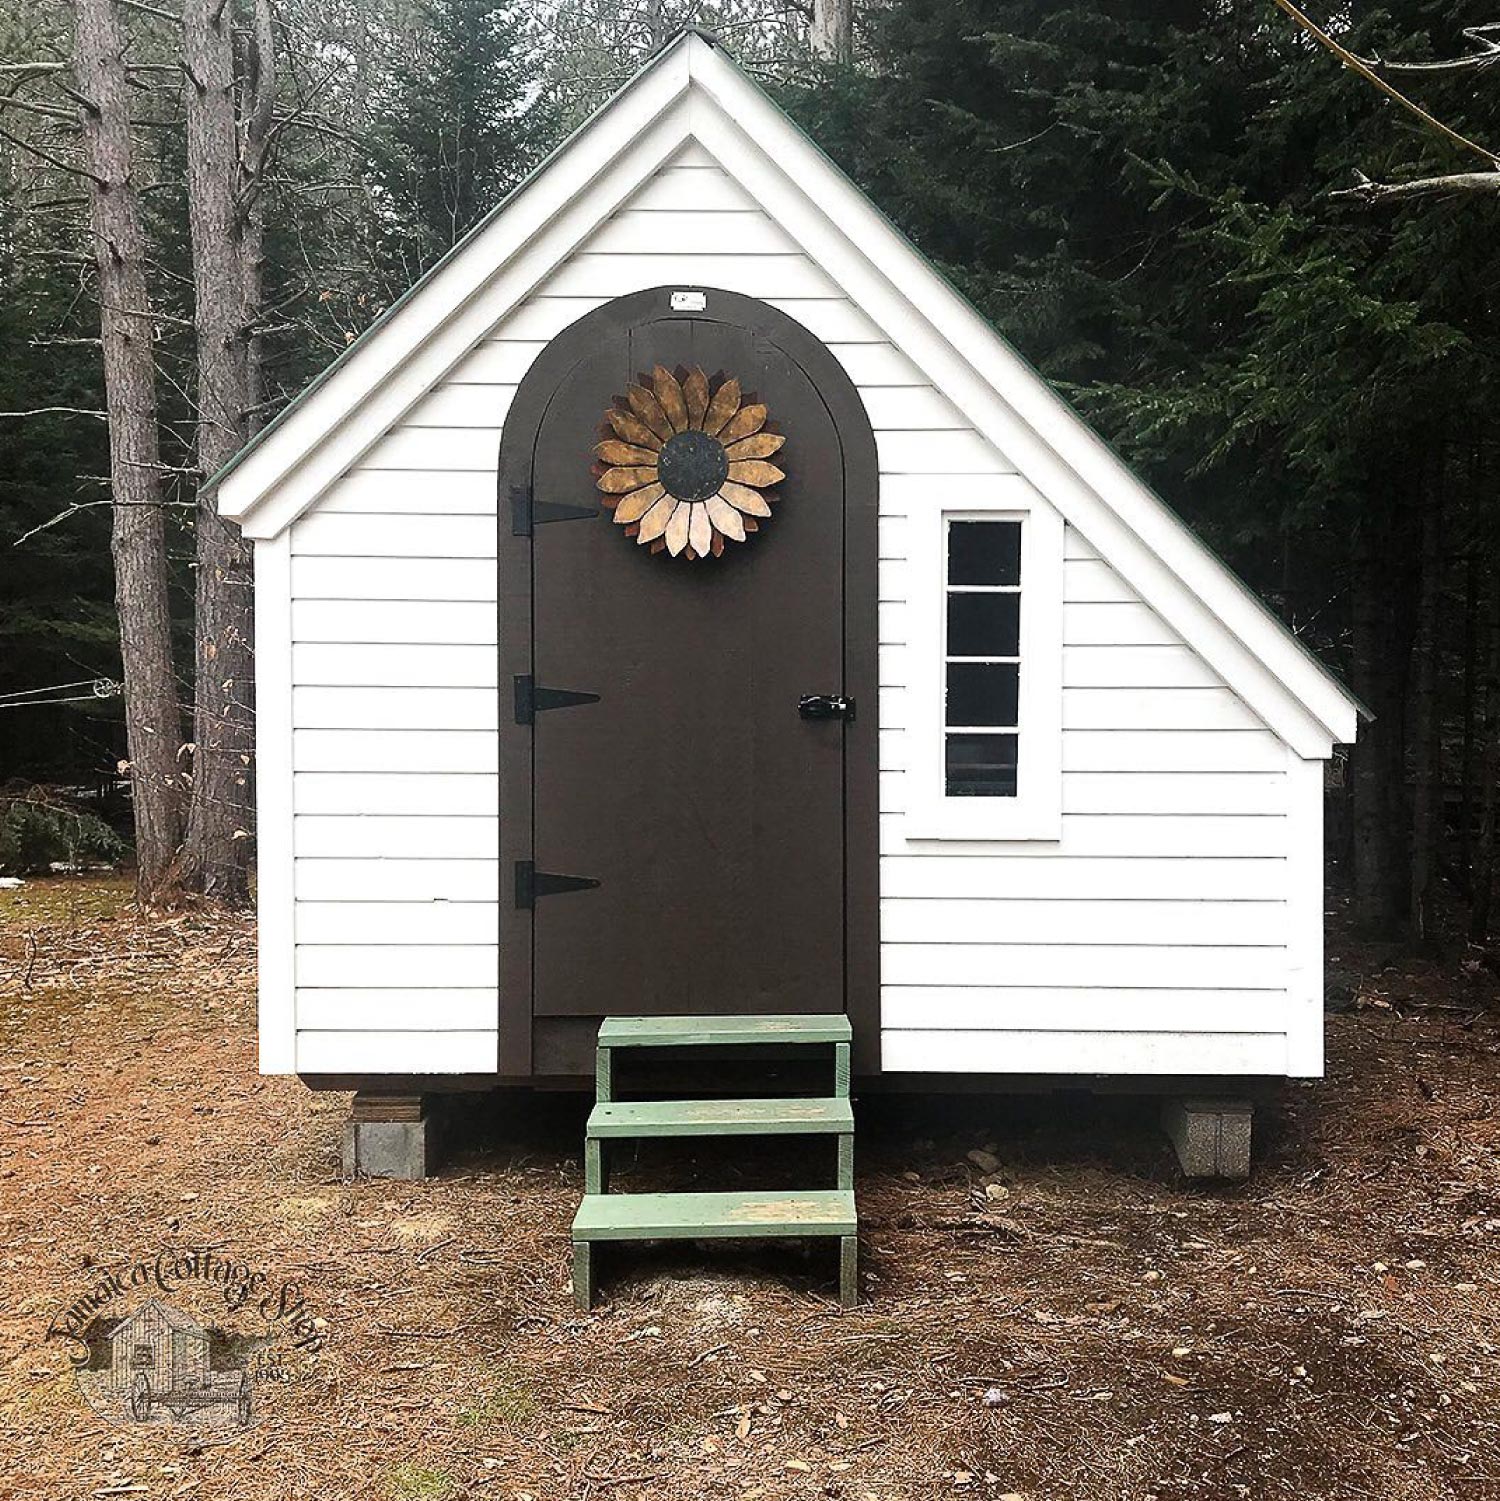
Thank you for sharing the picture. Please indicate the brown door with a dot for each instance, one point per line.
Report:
(707, 809)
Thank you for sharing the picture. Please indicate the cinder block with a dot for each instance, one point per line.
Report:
(1212, 1137)
(375, 1148)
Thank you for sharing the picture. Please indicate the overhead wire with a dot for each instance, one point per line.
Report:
(26, 698)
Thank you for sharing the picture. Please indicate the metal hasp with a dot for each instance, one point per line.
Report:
(532, 884)
(825, 706)
(531, 700)
(527, 512)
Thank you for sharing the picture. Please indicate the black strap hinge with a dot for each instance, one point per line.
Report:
(527, 512)
(531, 700)
(532, 883)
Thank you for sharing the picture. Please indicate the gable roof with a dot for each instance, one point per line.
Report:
(691, 92)
(173, 1317)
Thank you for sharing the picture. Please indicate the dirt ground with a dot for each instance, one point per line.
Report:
(1072, 1322)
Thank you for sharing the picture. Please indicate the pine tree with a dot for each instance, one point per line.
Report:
(463, 127)
(1139, 196)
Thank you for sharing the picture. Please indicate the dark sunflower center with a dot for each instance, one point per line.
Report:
(692, 465)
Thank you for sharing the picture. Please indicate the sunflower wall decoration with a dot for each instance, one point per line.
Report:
(683, 462)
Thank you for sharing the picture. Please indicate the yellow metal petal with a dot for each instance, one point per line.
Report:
(725, 518)
(756, 472)
(725, 404)
(695, 394)
(676, 533)
(700, 531)
(669, 397)
(654, 522)
(618, 481)
(632, 429)
(613, 451)
(759, 446)
(637, 503)
(751, 502)
(747, 420)
(645, 406)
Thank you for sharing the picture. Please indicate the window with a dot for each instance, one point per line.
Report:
(984, 735)
(982, 658)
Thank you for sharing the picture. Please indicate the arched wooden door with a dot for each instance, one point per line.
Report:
(675, 820)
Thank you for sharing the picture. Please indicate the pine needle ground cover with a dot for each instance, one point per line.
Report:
(1048, 1312)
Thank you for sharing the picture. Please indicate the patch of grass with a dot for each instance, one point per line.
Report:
(421, 1483)
(503, 1406)
(66, 900)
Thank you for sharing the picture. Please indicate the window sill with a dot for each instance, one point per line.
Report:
(968, 820)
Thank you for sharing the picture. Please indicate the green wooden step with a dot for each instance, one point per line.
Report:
(715, 1216)
(719, 1031)
(649, 1118)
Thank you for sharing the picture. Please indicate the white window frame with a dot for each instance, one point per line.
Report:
(1035, 813)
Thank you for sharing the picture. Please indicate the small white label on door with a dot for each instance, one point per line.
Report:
(689, 302)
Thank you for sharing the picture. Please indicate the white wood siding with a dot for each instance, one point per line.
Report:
(1153, 937)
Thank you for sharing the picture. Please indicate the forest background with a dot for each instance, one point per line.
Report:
(1266, 273)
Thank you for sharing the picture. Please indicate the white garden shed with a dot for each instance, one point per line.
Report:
(683, 602)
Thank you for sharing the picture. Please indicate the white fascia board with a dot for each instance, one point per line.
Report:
(275, 904)
(1304, 914)
(1011, 405)
(492, 272)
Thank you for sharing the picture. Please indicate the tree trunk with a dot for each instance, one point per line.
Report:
(1426, 728)
(831, 33)
(138, 530)
(224, 161)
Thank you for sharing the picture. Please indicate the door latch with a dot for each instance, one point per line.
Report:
(825, 706)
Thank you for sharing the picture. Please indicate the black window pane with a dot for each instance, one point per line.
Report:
(982, 693)
(984, 552)
(981, 765)
(984, 625)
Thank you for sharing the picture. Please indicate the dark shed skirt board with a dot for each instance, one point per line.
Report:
(517, 773)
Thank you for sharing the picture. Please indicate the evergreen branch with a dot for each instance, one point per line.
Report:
(1365, 71)
(1470, 62)
(82, 101)
(152, 10)
(46, 111)
(65, 411)
(52, 161)
(1368, 191)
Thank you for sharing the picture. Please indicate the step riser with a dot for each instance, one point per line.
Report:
(604, 1219)
(586, 1275)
